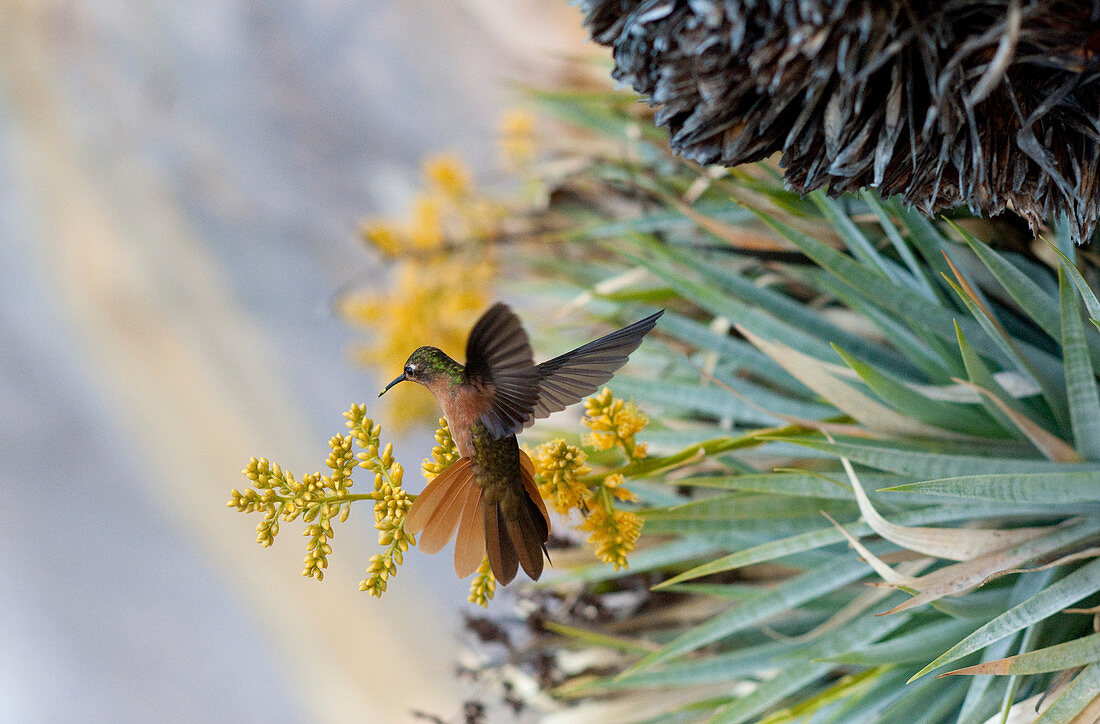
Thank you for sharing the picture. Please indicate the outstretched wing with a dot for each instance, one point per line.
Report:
(498, 359)
(565, 380)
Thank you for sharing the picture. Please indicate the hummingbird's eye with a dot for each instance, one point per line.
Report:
(410, 370)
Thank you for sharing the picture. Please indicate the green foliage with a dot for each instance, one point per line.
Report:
(804, 335)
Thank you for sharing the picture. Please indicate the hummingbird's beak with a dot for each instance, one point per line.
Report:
(402, 378)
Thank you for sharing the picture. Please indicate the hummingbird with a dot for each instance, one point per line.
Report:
(489, 495)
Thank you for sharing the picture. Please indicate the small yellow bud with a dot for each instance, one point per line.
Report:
(447, 173)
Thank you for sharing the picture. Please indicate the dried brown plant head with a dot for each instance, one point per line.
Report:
(991, 104)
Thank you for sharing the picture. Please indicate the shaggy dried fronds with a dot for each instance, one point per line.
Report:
(992, 104)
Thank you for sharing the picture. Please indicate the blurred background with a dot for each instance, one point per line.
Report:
(180, 187)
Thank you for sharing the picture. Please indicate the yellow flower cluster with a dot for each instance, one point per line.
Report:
(391, 502)
(558, 468)
(320, 499)
(614, 422)
(317, 499)
(442, 269)
(484, 585)
(443, 454)
(612, 533)
(446, 173)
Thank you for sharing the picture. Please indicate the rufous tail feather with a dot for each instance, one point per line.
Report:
(502, 554)
(436, 511)
(470, 541)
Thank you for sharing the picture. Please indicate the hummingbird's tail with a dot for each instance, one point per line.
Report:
(452, 500)
(517, 527)
(514, 529)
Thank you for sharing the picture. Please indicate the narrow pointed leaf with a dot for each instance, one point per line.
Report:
(1084, 402)
(735, 352)
(763, 697)
(820, 538)
(1032, 298)
(693, 672)
(803, 672)
(965, 576)
(1029, 488)
(927, 704)
(1027, 359)
(930, 465)
(659, 556)
(1052, 447)
(979, 704)
(980, 375)
(899, 300)
(1066, 655)
(691, 397)
(944, 415)
(1077, 585)
(804, 484)
(1083, 288)
(909, 647)
(597, 639)
(722, 305)
(1081, 692)
(887, 688)
(853, 238)
(927, 351)
(928, 240)
(915, 268)
(778, 305)
(951, 543)
(739, 506)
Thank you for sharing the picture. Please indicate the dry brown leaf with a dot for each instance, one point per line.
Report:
(966, 576)
(957, 544)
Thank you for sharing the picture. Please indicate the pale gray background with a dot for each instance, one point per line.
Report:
(179, 187)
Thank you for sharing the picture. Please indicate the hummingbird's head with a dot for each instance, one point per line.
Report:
(423, 366)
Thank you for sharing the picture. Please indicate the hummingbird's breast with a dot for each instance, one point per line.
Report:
(462, 406)
(496, 462)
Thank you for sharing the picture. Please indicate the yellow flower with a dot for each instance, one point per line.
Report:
(484, 585)
(426, 230)
(443, 454)
(558, 467)
(517, 137)
(612, 533)
(391, 501)
(440, 279)
(446, 172)
(614, 422)
(614, 483)
(387, 237)
(319, 499)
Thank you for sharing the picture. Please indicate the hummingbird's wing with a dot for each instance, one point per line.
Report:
(498, 358)
(566, 380)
